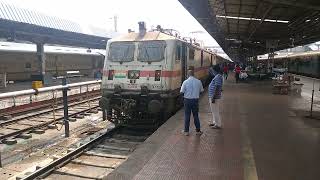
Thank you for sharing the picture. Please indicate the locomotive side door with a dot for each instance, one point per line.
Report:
(184, 64)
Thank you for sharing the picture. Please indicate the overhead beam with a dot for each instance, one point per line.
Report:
(12, 30)
(261, 21)
(282, 30)
(239, 16)
(254, 15)
(218, 7)
(225, 12)
(294, 4)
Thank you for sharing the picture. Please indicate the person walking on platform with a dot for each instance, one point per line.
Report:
(238, 71)
(225, 71)
(191, 89)
(215, 95)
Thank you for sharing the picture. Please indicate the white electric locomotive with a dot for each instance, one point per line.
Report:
(143, 73)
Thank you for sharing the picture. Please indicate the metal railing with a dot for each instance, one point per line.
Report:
(46, 89)
(12, 99)
(63, 88)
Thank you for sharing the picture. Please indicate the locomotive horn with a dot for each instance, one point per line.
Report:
(142, 28)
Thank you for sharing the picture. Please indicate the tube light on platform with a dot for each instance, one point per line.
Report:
(252, 19)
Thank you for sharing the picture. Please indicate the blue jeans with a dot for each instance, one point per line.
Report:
(191, 105)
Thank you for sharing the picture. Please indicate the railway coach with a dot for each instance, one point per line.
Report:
(143, 73)
(307, 64)
(22, 64)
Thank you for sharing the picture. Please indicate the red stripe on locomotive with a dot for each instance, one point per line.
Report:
(163, 73)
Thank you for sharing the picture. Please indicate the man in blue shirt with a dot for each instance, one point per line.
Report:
(191, 89)
(215, 88)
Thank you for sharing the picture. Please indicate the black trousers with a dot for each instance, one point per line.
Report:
(237, 77)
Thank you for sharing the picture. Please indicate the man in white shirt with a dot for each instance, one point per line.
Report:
(191, 89)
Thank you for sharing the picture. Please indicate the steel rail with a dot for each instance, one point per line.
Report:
(44, 111)
(68, 157)
(42, 124)
(46, 89)
(26, 108)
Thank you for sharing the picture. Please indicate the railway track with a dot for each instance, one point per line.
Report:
(95, 158)
(14, 111)
(38, 121)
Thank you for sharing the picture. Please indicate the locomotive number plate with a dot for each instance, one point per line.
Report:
(132, 86)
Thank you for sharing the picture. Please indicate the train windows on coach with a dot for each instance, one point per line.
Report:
(191, 54)
(178, 53)
(201, 58)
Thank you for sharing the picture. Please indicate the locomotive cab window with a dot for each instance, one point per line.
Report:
(151, 51)
(121, 51)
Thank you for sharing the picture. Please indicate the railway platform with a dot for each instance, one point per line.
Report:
(264, 136)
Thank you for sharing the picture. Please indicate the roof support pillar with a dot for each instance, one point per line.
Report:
(41, 60)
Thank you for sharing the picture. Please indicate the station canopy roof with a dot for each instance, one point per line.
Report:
(246, 28)
(18, 24)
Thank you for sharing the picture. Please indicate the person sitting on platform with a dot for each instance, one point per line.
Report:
(243, 76)
(215, 95)
(191, 89)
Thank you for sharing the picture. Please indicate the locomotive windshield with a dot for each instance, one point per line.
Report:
(151, 50)
(121, 51)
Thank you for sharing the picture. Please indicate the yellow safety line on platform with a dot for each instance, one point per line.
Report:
(249, 165)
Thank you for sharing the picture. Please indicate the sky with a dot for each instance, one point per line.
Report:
(100, 13)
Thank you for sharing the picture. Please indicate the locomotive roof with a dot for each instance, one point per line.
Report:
(148, 36)
(153, 36)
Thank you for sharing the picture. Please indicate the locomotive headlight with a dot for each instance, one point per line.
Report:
(136, 75)
(110, 74)
(157, 75)
(133, 74)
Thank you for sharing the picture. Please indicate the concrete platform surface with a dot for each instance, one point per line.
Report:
(264, 136)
